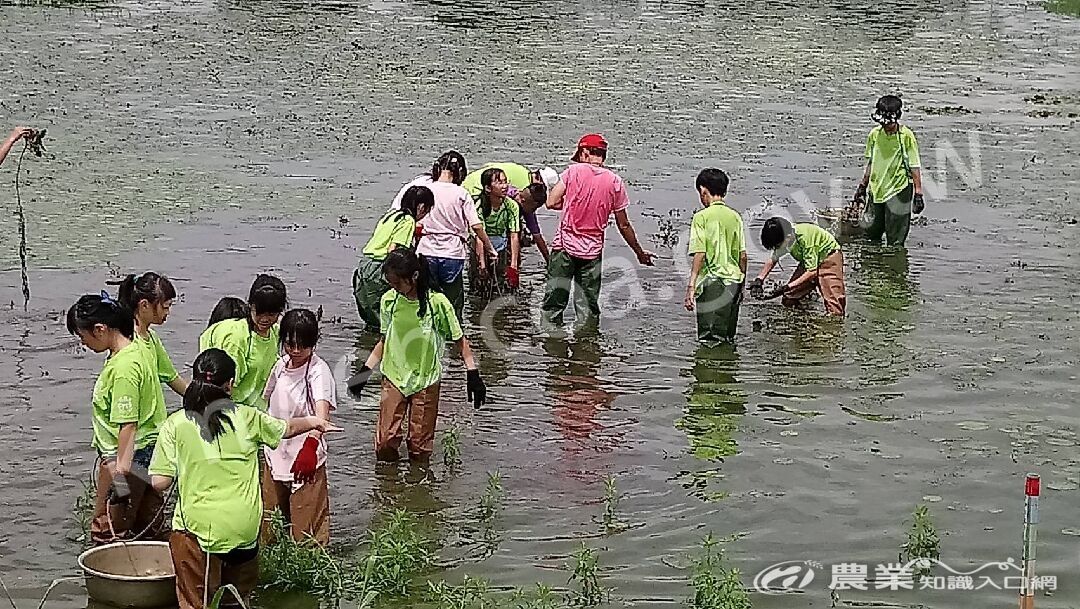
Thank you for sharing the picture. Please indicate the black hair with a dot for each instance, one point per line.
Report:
(149, 286)
(212, 370)
(417, 198)
(404, 262)
(714, 180)
(453, 162)
(268, 295)
(538, 193)
(229, 307)
(600, 152)
(93, 309)
(486, 179)
(300, 328)
(889, 107)
(774, 232)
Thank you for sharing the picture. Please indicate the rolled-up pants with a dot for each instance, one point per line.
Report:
(829, 283)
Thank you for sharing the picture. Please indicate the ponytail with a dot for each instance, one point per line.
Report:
(206, 402)
(486, 179)
(405, 263)
(100, 309)
(149, 286)
(229, 307)
(453, 162)
(422, 283)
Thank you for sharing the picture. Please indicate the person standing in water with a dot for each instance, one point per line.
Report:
(251, 341)
(416, 324)
(209, 449)
(127, 413)
(445, 231)
(502, 223)
(528, 188)
(151, 296)
(300, 385)
(893, 175)
(397, 228)
(588, 194)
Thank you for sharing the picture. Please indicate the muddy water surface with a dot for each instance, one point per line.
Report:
(215, 140)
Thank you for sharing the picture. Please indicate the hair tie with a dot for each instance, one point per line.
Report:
(209, 377)
(105, 298)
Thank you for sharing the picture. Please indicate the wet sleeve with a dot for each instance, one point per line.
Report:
(163, 462)
(515, 217)
(447, 320)
(532, 223)
(165, 369)
(267, 430)
(124, 396)
(322, 385)
(404, 232)
(697, 240)
(622, 200)
(911, 147)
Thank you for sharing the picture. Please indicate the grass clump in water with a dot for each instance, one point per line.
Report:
(585, 575)
(611, 507)
(1064, 7)
(451, 445)
(923, 543)
(492, 497)
(715, 585)
(83, 510)
(474, 594)
(397, 551)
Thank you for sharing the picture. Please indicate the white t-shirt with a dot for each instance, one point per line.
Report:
(293, 392)
(424, 180)
(446, 228)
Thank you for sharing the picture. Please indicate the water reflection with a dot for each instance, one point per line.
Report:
(715, 403)
(577, 394)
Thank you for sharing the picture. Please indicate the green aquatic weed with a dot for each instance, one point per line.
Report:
(492, 497)
(585, 575)
(923, 543)
(715, 585)
(451, 445)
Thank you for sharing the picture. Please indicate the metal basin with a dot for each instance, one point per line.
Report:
(131, 575)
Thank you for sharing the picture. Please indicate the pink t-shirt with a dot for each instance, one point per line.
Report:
(446, 228)
(592, 195)
(293, 393)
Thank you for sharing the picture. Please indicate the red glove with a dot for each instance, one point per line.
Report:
(512, 277)
(418, 232)
(307, 461)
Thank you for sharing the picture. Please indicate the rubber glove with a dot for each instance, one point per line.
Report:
(513, 278)
(358, 380)
(477, 391)
(918, 204)
(757, 288)
(307, 461)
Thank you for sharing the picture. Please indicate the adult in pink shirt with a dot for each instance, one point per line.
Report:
(588, 195)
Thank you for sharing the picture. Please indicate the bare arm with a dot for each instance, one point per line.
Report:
(15, 136)
(161, 483)
(375, 356)
(125, 452)
(515, 249)
(626, 229)
(916, 178)
(322, 411)
(765, 270)
(691, 287)
(556, 196)
(742, 262)
(542, 245)
(865, 175)
(482, 235)
(467, 354)
(179, 385)
(806, 277)
(301, 425)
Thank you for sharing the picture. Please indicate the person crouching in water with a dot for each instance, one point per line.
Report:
(502, 223)
(127, 414)
(210, 450)
(416, 323)
(821, 263)
(300, 384)
(397, 228)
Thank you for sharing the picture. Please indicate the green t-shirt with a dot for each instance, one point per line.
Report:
(890, 157)
(254, 355)
(159, 359)
(812, 245)
(502, 222)
(127, 391)
(218, 498)
(413, 347)
(717, 232)
(395, 228)
(519, 177)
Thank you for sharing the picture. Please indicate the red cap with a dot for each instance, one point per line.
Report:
(591, 140)
(1031, 485)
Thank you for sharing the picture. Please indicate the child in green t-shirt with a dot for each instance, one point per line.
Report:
(821, 263)
(501, 216)
(210, 449)
(416, 323)
(893, 175)
(126, 416)
(252, 341)
(718, 246)
(150, 296)
(397, 228)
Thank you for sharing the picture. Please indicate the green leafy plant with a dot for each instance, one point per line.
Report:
(397, 551)
(715, 585)
(1064, 7)
(923, 542)
(451, 445)
(611, 507)
(585, 575)
(471, 594)
(83, 510)
(492, 497)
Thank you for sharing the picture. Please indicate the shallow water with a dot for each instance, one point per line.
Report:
(215, 140)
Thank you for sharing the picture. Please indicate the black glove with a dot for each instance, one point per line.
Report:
(917, 204)
(358, 380)
(477, 391)
(757, 288)
(860, 194)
